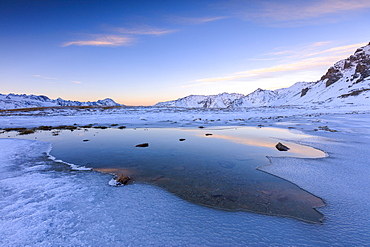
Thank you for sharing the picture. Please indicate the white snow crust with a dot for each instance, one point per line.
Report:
(44, 203)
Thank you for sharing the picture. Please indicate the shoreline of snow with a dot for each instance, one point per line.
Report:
(73, 166)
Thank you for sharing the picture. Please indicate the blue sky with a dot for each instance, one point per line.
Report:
(142, 52)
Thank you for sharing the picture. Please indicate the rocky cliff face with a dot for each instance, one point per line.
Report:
(355, 68)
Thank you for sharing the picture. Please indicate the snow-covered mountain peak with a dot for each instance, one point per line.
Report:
(221, 100)
(346, 82)
(354, 68)
(13, 101)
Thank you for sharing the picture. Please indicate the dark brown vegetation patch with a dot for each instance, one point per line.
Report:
(354, 93)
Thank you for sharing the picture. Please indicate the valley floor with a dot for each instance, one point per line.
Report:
(43, 203)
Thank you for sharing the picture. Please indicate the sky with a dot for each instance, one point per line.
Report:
(140, 52)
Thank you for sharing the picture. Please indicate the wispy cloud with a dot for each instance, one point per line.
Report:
(102, 40)
(301, 62)
(52, 78)
(339, 49)
(117, 36)
(294, 13)
(305, 64)
(143, 31)
(281, 11)
(311, 50)
(45, 77)
(197, 20)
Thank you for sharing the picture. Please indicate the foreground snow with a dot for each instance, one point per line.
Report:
(44, 203)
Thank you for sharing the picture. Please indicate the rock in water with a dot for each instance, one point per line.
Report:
(122, 179)
(143, 145)
(281, 147)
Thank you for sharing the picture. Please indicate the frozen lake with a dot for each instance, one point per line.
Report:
(45, 203)
(213, 167)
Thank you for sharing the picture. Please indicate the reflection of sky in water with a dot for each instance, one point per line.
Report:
(217, 171)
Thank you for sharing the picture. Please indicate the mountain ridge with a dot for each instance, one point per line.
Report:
(346, 82)
(14, 101)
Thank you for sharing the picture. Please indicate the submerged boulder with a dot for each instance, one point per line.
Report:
(143, 145)
(281, 147)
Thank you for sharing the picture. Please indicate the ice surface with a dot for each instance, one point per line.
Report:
(44, 203)
(203, 169)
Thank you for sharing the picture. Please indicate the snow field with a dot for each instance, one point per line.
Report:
(45, 204)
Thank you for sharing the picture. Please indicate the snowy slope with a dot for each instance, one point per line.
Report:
(346, 82)
(13, 101)
(259, 97)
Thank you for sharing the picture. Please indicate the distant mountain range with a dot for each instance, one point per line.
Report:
(13, 101)
(346, 82)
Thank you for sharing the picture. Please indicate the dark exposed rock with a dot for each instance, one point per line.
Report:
(100, 127)
(208, 134)
(122, 179)
(86, 140)
(281, 147)
(45, 127)
(182, 139)
(304, 91)
(143, 145)
(354, 93)
(363, 69)
(326, 128)
(333, 75)
(66, 127)
(347, 64)
(361, 61)
(27, 132)
(200, 127)
(122, 127)
(15, 129)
